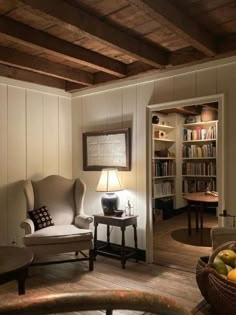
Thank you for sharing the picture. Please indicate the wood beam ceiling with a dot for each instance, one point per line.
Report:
(12, 57)
(107, 33)
(177, 21)
(30, 37)
(28, 76)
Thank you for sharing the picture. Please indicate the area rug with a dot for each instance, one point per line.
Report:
(201, 238)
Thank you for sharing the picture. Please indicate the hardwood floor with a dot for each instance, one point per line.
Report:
(173, 247)
(173, 276)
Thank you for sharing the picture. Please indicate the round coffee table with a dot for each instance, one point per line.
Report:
(14, 262)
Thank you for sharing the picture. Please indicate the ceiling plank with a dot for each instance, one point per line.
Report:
(13, 57)
(26, 35)
(28, 76)
(107, 33)
(177, 21)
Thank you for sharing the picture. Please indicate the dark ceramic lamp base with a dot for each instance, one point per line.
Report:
(110, 202)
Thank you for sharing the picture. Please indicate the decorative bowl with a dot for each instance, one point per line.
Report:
(118, 213)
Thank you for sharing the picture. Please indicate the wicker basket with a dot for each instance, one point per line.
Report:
(219, 292)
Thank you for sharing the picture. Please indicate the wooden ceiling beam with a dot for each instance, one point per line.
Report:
(13, 57)
(176, 20)
(28, 76)
(104, 32)
(31, 37)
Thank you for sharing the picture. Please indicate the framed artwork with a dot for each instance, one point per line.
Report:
(107, 149)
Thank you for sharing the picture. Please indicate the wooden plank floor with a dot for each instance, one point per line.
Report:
(173, 247)
(170, 279)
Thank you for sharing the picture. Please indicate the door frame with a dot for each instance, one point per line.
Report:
(220, 166)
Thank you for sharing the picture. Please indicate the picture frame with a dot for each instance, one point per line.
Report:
(107, 149)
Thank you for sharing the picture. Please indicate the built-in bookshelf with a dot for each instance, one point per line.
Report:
(199, 156)
(163, 160)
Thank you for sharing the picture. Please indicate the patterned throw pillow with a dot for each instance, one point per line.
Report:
(41, 218)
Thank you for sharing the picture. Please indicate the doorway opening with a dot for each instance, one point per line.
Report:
(185, 160)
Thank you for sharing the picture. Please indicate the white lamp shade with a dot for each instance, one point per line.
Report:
(109, 181)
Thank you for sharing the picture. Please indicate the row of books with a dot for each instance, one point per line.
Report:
(199, 168)
(199, 133)
(193, 150)
(163, 168)
(192, 186)
(163, 188)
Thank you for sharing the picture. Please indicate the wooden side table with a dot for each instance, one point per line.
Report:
(14, 262)
(121, 222)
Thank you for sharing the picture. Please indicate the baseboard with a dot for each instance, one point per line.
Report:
(140, 255)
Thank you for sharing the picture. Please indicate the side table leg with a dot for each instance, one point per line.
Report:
(95, 240)
(21, 277)
(201, 215)
(123, 248)
(197, 217)
(108, 235)
(135, 241)
(189, 220)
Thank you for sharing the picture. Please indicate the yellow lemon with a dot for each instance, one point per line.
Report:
(232, 275)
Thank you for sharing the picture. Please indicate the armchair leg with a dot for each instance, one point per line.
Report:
(91, 259)
(76, 253)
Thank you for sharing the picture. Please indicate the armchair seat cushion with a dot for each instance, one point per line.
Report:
(58, 234)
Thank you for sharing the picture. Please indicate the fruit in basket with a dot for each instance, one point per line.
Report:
(228, 256)
(232, 275)
(220, 267)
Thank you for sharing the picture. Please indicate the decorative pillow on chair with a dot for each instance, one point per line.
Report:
(41, 218)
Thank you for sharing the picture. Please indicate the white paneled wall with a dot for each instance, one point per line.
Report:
(35, 141)
(126, 107)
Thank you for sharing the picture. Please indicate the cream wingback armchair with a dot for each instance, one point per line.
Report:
(64, 200)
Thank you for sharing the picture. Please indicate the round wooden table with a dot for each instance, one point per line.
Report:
(14, 262)
(200, 201)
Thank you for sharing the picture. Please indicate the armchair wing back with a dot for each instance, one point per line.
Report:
(63, 197)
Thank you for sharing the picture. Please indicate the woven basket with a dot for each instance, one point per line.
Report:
(219, 292)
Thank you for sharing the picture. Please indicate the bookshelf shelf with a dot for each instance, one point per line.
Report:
(163, 127)
(203, 140)
(164, 196)
(207, 176)
(163, 139)
(203, 124)
(163, 177)
(199, 158)
(163, 158)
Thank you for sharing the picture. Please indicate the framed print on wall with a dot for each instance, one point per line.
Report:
(107, 149)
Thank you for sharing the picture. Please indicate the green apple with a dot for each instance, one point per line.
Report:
(228, 256)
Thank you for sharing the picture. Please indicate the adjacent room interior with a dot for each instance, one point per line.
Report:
(117, 157)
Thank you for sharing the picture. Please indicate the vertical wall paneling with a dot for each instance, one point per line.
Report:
(145, 96)
(16, 153)
(50, 134)
(184, 86)
(130, 178)
(65, 138)
(34, 127)
(3, 164)
(164, 90)
(77, 130)
(206, 82)
(226, 78)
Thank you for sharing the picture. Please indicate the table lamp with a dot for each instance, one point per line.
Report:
(109, 183)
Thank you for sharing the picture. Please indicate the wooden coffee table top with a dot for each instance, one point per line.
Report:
(13, 258)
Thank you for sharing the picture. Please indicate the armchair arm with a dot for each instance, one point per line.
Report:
(83, 221)
(28, 226)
